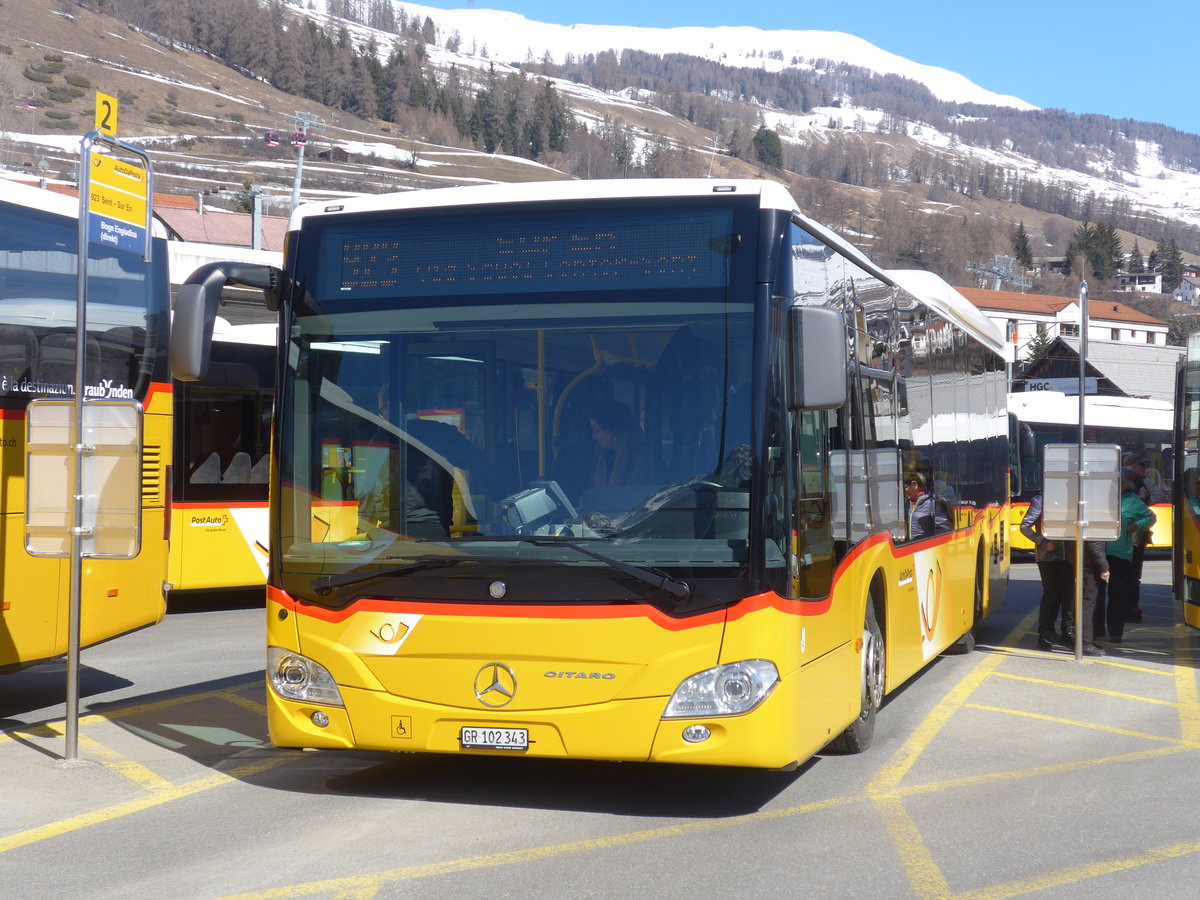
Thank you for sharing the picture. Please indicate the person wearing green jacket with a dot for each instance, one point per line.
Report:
(1136, 517)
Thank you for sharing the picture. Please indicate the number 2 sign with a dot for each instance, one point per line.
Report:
(106, 114)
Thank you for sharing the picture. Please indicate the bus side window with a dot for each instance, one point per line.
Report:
(56, 358)
(18, 354)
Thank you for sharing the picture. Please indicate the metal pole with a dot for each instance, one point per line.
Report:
(78, 532)
(1081, 510)
(71, 734)
(299, 172)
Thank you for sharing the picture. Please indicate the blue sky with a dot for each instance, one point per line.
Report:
(1121, 60)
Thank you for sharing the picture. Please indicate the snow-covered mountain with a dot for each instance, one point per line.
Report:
(509, 37)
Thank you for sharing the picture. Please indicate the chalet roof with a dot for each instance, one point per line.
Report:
(222, 227)
(1138, 370)
(1008, 302)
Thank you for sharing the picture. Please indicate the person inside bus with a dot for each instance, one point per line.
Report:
(623, 455)
(927, 513)
(1057, 572)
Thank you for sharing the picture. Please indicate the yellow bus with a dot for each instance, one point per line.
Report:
(613, 470)
(1186, 493)
(218, 518)
(128, 327)
(1138, 425)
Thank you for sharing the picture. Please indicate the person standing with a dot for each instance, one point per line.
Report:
(1122, 587)
(1137, 469)
(1096, 573)
(1057, 572)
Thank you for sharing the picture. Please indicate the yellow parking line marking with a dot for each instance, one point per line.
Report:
(1185, 691)
(890, 775)
(933, 787)
(135, 772)
(1080, 873)
(138, 804)
(1089, 725)
(1086, 689)
(244, 702)
(140, 775)
(55, 728)
(925, 876)
(366, 885)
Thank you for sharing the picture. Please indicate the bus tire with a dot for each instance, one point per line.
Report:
(857, 736)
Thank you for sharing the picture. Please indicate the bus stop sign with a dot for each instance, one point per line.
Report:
(1098, 475)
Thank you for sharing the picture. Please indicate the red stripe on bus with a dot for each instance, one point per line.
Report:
(746, 606)
(220, 504)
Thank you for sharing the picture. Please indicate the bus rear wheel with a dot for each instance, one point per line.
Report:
(858, 735)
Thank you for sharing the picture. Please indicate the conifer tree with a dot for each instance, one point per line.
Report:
(1136, 265)
(768, 149)
(1021, 248)
(1171, 263)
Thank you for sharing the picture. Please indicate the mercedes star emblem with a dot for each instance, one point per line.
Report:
(495, 685)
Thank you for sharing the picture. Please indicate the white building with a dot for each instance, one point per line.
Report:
(1143, 283)
(1188, 290)
(1025, 317)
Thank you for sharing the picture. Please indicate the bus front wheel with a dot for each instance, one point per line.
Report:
(857, 736)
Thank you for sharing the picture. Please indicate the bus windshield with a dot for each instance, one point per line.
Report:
(518, 427)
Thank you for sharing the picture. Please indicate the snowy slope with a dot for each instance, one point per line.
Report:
(509, 37)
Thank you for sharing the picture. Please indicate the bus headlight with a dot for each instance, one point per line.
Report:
(296, 677)
(728, 690)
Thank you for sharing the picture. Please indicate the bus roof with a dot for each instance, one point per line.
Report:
(1057, 408)
(773, 196)
(39, 198)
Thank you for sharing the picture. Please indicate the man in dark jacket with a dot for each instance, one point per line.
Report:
(1057, 571)
(1095, 570)
(927, 513)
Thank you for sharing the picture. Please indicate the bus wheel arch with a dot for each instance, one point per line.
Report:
(873, 671)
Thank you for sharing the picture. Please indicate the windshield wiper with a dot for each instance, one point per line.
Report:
(677, 588)
(326, 583)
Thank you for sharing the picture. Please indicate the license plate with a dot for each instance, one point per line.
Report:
(473, 738)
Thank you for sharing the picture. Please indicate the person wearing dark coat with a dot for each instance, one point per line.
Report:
(1095, 572)
(1057, 571)
(927, 513)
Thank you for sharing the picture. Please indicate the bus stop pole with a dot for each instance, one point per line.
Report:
(71, 732)
(1081, 504)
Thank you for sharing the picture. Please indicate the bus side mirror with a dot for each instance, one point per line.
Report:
(195, 311)
(818, 351)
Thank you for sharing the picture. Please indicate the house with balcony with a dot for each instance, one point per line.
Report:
(1142, 283)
